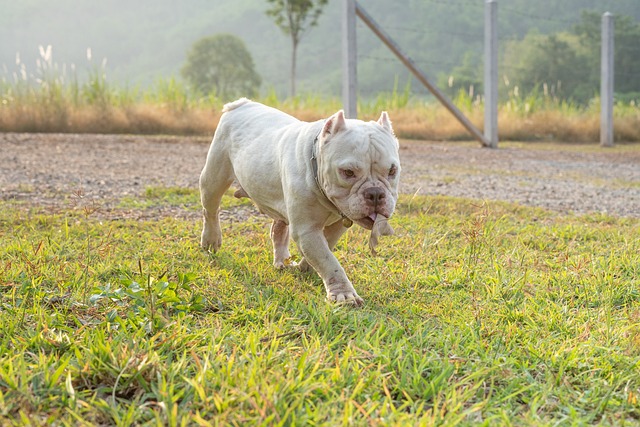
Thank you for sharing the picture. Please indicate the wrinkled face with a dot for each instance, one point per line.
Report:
(361, 168)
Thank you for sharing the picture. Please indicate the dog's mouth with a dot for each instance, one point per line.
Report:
(368, 221)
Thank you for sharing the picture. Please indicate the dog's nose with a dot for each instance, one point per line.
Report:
(374, 195)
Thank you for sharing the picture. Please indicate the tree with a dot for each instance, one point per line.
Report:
(626, 57)
(294, 17)
(221, 64)
(555, 61)
(569, 62)
(463, 77)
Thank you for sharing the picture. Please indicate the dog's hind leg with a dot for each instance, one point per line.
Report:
(215, 179)
(280, 240)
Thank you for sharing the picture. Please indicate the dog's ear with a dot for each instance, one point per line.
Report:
(333, 125)
(385, 122)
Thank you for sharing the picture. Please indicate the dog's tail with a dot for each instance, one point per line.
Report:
(235, 104)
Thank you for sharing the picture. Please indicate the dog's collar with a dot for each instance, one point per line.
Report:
(346, 221)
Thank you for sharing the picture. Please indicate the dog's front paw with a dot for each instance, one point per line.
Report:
(344, 295)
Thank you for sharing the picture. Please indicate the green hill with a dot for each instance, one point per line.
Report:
(143, 40)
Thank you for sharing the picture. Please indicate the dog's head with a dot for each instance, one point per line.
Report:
(359, 166)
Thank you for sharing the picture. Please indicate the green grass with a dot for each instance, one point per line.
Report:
(476, 314)
(183, 197)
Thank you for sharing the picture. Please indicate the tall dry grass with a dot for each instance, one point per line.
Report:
(137, 119)
(52, 99)
(415, 121)
(533, 119)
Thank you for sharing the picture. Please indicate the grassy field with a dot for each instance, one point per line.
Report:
(476, 314)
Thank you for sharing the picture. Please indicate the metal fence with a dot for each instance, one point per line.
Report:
(352, 10)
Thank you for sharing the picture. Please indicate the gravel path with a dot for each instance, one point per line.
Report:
(50, 170)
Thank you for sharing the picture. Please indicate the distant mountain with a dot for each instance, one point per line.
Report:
(143, 40)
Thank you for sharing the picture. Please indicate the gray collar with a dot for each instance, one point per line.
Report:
(314, 165)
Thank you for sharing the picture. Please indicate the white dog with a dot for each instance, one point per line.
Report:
(314, 179)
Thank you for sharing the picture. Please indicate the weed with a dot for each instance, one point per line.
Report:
(149, 304)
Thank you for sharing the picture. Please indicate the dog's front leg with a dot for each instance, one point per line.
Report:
(315, 249)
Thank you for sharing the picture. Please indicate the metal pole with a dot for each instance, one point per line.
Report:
(606, 82)
(491, 73)
(422, 78)
(349, 59)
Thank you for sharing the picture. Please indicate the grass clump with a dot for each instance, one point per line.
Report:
(477, 313)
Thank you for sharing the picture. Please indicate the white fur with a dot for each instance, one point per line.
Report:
(269, 154)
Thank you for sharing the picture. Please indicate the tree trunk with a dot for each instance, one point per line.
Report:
(294, 53)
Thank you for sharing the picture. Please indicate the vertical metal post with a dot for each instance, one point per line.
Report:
(349, 59)
(422, 77)
(491, 73)
(606, 82)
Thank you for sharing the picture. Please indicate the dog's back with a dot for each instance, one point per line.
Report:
(250, 120)
(235, 104)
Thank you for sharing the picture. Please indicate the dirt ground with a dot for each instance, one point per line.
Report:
(50, 170)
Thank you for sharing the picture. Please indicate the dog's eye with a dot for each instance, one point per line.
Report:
(393, 171)
(348, 173)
